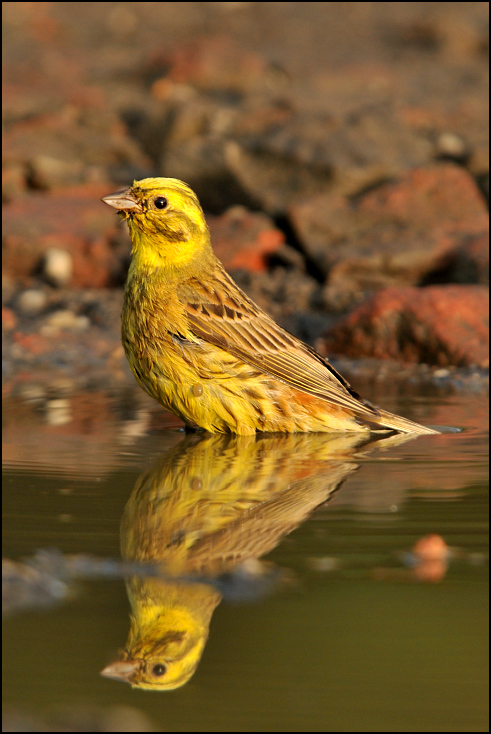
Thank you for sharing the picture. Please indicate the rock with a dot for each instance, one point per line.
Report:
(57, 266)
(14, 180)
(452, 146)
(64, 320)
(58, 412)
(71, 146)
(244, 240)
(48, 172)
(201, 162)
(9, 319)
(216, 62)
(439, 325)
(71, 220)
(32, 393)
(324, 152)
(431, 223)
(31, 302)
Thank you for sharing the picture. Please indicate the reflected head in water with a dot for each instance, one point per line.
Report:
(169, 629)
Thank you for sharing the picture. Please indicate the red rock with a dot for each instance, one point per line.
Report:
(440, 325)
(427, 195)
(243, 239)
(430, 223)
(72, 219)
(9, 319)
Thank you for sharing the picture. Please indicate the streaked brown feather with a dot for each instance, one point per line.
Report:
(248, 333)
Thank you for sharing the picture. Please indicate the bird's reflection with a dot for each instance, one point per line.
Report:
(210, 506)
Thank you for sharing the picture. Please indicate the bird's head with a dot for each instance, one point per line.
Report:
(166, 222)
(159, 658)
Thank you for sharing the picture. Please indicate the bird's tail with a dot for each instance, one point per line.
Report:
(389, 421)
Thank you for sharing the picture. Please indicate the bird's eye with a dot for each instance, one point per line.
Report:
(159, 669)
(160, 202)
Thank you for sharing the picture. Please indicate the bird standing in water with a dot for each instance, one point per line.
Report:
(204, 350)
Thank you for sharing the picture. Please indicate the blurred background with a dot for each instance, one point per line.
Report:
(340, 151)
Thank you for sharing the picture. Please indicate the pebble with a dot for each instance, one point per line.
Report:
(441, 373)
(33, 394)
(64, 320)
(57, 266)
(47, 172)
(32, 302)
(58, 412)
(323, 564)
(453, 146)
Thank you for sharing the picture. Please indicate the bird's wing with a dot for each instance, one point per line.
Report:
(220, 313)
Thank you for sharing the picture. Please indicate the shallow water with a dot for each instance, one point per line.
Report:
(341, 630)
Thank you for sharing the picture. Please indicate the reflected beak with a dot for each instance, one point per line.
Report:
(122, 670)
(122, 200)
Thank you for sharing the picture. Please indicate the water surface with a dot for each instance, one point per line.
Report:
(350, 635)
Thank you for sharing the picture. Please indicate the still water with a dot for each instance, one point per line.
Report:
(290, 599)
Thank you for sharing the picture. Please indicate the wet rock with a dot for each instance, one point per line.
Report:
(440, 325)
(430, 223)
(243, 239)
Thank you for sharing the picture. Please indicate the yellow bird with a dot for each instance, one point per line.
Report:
(204, 350)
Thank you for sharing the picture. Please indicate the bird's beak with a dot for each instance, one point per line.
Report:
(122, 670)
(122, 200)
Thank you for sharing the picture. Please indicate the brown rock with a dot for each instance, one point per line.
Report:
(73, 220)
(216, 62)
(71, 146)
(324, 152)
(430, 225)
(440, 325)
(244, 240)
